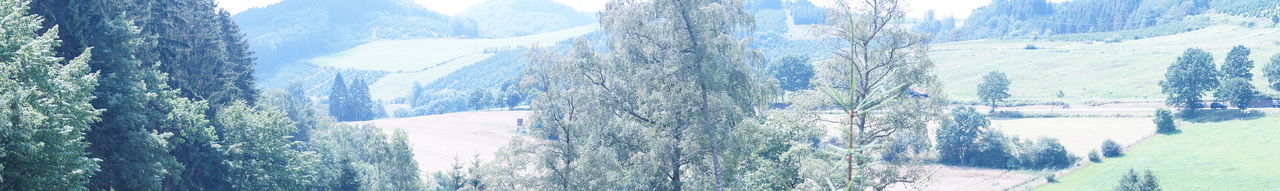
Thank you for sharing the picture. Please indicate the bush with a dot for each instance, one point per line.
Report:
(1111, 149)
(1164, 122)
(1133, 182)
(1094, 157)
(1045, 153)
(1030, 47)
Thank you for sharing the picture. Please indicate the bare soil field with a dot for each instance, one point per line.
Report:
(1079, 135)
(441, 140)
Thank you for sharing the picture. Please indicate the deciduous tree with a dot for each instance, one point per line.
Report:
(993, 89)
(1188, 79)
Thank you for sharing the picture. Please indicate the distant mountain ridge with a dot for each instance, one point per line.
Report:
(292, 30)
(507, 18)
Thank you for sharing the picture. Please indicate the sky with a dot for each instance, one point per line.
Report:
(943, 8)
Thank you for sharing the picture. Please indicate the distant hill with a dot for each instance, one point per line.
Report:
(292, 30)
(506, 18)
(1025, 18)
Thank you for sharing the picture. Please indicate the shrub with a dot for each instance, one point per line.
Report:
(1030, 47)
(1045, 153)
(1049, 177)
(1131, 181)
(1094, 157)
(1111, 149)
(1164, 122)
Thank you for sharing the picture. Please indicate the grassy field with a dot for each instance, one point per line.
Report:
(1091, 71)
(1230, 155)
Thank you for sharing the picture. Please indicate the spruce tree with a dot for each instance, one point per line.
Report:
(359, 104)
(45, 108)
(146, 124)
(338, 99)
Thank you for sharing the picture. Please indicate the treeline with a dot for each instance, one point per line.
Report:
(1194, 74)
(159, 96)
(1022, 18)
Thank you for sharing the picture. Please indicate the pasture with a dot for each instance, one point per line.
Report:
(1090, 71)
(1236, 154)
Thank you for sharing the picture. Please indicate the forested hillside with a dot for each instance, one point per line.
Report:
(1031, 18)
(159, 95)
(291, 30)
(506, 18)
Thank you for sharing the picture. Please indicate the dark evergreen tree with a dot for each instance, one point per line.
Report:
(359, 105)
(45, 107)
(338, 100)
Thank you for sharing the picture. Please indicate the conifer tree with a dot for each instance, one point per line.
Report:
(359, 104)
(45, 108)
(338, 100)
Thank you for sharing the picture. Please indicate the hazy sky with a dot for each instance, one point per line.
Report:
(958, 8)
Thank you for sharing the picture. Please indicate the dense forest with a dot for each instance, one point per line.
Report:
(1023, 18)
(160, 95)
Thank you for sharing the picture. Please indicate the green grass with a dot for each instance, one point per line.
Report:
(1230, 155)
(1091, 71)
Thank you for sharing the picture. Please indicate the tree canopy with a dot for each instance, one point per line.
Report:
(1188, 78)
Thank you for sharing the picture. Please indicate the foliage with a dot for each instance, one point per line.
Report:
(1237, 91)
(1044, 153)
(804, 12)
(1237, 64)
(1040, 17)
(967, 140)
(792, 72)
(45, 106)
(1272, 72)
(351, 101)
(1164, 122)
(1111, 149)
(1189, 78)
(993, 89)
(958, 140)
(1133, 182)
(867, 81)
(663, 108)
(258, 153)
(1094, 156)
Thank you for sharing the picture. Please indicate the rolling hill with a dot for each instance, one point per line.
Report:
(507, 18)
(1091, 71)
(291, 30)
(425, 60)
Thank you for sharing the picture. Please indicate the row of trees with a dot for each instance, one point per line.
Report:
(1194, 74)
(352, 102)
(113, 118)
(968, 140)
